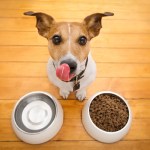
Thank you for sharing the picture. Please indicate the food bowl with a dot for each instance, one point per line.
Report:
(37, 117)
(102, 126)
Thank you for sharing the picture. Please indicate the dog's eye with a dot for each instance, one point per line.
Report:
(82, 40)
(56, 39)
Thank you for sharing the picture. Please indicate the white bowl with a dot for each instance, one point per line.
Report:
(37, 117)
(99, 134)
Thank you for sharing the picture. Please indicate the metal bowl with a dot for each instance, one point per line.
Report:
(37, 117)
(99, 134)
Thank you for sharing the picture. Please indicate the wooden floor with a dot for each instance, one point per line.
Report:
(122, 54)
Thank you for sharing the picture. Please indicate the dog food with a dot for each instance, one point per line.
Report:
(108, 112)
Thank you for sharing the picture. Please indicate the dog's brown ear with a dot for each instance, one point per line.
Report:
(43, 22)
(93, 23)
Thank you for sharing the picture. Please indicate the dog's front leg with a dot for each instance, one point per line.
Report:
(64, 93)
(81, 94)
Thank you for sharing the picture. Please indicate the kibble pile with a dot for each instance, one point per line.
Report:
(109, 112)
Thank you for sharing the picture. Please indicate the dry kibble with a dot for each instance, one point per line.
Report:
(108, 112)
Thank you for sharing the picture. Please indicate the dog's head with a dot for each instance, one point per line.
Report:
(68, 43)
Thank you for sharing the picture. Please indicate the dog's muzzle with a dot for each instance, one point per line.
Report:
(71, 63)
(66, 70)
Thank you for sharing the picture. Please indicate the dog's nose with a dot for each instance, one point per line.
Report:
(72, 64)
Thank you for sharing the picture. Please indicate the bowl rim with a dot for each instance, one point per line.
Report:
(122, 98)
(21, 98)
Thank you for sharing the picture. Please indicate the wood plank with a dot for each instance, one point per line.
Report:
(73, 129)
(62, 15)
(109, 26)
(123, 70)
(102, 1)
(72, 108)
(23, 69)
(58, 5)
(25, 38)
(24, 53)
(73, 145)
(119, 55)
(13, 88)
(40, 54)
(105, 40)
(122, 41)
(30, 69)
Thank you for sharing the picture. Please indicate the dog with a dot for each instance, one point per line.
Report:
(71, 67)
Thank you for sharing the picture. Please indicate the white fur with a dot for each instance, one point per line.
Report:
(69, 39)
(67, 87)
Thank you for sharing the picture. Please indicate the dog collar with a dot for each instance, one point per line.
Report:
(77, 77)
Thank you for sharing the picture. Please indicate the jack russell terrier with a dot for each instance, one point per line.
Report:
(71, 67)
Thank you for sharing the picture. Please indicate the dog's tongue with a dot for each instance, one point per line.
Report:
(63, 72)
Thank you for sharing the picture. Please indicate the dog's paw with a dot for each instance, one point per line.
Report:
(64, 93)
(81, 94)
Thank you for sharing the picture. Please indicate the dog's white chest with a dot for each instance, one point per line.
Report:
(89, 76)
